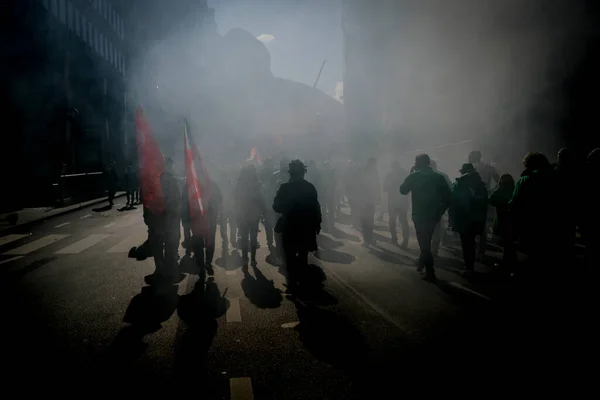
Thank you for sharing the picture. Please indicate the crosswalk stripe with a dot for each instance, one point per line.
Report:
(10, 238)
(130, 241)
(35, 245)
(10, 259)
(83, 244)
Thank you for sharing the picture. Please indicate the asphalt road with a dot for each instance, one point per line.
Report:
(78, 319)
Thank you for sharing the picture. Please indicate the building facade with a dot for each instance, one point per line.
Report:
(63, 85)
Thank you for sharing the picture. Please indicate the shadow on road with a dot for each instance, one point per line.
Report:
(312, 288)
(145, 314)
(327, 242)
(331, 338)
(102, 209)
(339, 234)
(198, 312)
(334, 256)
(261, 291)
(9, 276)
(391, 257)
(229, 262)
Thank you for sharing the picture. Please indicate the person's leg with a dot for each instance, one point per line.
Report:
(467, 241)
(244, 231)
(393, 217)
(403, 218)
(253, 242)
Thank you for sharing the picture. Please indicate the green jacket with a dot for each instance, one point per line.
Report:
(430, 192)
(468, 212)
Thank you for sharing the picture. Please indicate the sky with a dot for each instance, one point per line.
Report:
(299, 34)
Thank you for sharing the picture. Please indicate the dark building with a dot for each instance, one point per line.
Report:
(62, 81)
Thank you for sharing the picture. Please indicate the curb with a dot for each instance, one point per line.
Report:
(66, 210)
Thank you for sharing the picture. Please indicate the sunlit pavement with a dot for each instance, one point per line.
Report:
(76, 312)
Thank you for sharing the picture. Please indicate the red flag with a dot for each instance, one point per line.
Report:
(198, 188)
(151, 164)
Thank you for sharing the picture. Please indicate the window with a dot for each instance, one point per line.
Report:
(77, 23)
(63, 11)
(54, 7)
(70, 15)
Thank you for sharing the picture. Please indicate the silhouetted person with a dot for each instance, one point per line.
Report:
(369, 197)
(300, 223)
(499, 199)
(591, 201)
(489, 176)
(111, 182)
(165, 232)
(440, 233)
(430, 198)
(251, 207)
(568, 175)
(265, 175)
(130, 185)
(328, 194)
(468, 211)
(397, 204)
(534, 210)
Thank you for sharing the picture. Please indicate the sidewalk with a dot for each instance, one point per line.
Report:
(30, 216)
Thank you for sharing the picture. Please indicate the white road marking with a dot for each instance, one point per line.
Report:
(10, 238)
(128, 243)
(466, 289)
(63, 224)
(86, 216)
(10, 259)
(241, 389)
(35, 245)
(233, 312)
(109, 225)
(229, 272)
(83, 244)
(290, 325)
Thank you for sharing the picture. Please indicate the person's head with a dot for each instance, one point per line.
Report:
(475, 156)
(297, 169)
(507, 181)
(535, 161)
(422, 161)
(564, 157)
(593, 158)
(467, 168)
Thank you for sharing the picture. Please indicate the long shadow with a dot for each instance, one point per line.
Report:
(381, 238)
(11, 275)
(145, 314)
(327, 242)
(102, 209)
(312, 288)
(334, 256)
(198, 312)
(189, 265)
(260, 291)
(391, 257)
(126, 208)
(333, 339)
(339, 234)
(229, 262)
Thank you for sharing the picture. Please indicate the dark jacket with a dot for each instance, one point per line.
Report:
(431, 194)
(468, 209)
(300, 222)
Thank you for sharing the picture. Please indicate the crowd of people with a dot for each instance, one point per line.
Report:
(539, 215)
